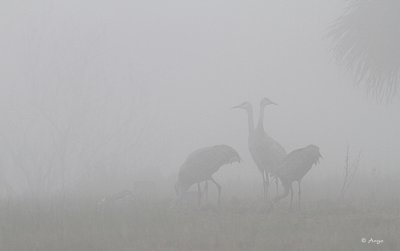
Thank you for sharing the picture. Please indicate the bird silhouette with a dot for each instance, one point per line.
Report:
(293, 168)
(265, 151)
(201, 165)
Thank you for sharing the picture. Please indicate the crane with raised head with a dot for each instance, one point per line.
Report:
(265, 151)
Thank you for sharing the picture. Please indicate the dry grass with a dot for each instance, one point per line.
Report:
(235, 225)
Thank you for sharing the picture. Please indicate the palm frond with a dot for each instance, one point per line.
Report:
(367, 42)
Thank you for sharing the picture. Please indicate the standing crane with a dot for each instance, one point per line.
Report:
(201, 165)
(294, 167)
(265, 151)
(268, 151)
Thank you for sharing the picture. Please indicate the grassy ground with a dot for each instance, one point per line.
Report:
(235, 225)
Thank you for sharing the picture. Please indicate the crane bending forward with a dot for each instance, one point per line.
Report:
(200, 165)
(294, 167)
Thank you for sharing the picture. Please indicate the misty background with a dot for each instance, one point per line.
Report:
(100, 88)
(98, 97)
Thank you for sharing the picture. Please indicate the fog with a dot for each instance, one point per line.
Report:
(99, 97)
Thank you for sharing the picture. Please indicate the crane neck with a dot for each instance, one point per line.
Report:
(261, 118)
(250, 120)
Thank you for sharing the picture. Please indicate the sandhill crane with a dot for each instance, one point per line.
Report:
(294, 167)
(265, 151)
(269, 151)
(201, 165)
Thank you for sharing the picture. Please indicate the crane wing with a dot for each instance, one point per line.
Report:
(297, 163)
(267, 152)
(202, 163)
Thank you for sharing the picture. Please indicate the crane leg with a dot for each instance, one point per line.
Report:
(299, 193)
(285, 193)
(198, 194)
(265, 184)
(277, 185)
(178, 200)
(206, 190)
(263, 181)
(219, 190)
(291, 196)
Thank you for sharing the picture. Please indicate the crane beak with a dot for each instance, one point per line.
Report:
(319, 157)
(236, 159)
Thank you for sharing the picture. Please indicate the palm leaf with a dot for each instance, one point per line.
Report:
(367, 41)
